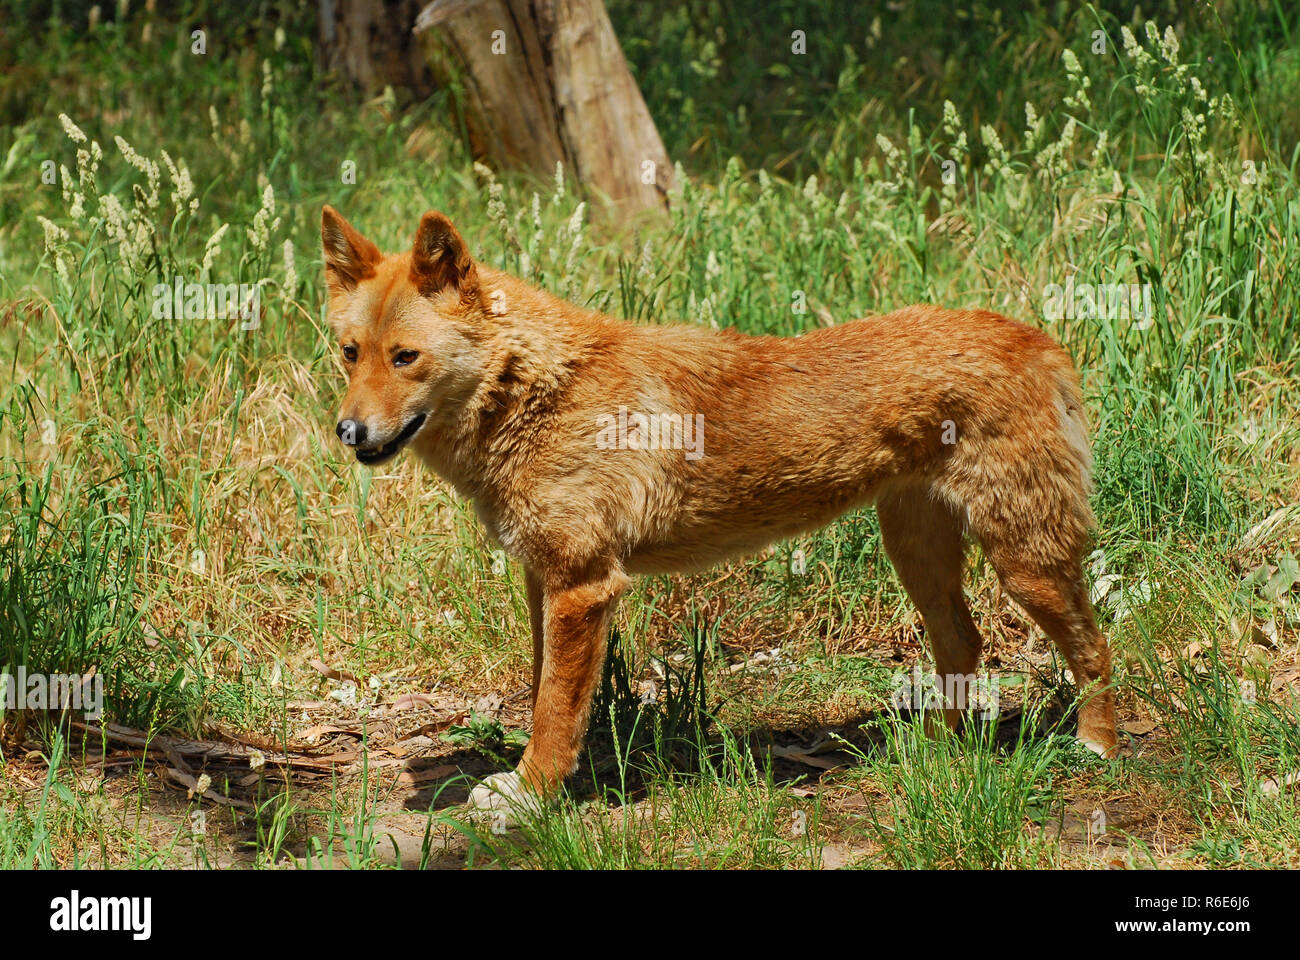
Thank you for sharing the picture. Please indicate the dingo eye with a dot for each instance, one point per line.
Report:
(404, 358)
(349, 353)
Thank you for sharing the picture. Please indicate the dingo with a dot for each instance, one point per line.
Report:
(952, 422)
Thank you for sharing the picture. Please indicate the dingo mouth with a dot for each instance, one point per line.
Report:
(375, 455)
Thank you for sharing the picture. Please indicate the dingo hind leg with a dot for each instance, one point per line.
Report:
(925, 541)
(1055, 596)
(1026, 494)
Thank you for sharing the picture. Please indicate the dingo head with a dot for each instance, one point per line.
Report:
(410, 328)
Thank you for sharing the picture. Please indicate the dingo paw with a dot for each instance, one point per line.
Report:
(505, 794)
(1107, 752)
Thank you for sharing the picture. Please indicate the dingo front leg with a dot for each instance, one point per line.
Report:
(575, 626)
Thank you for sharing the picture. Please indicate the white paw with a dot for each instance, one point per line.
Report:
(506, 795)
(1100, 749)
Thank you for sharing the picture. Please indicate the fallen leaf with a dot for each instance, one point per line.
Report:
(151, 636)
(313, 735)
(1263, 530)
(437, 726)
(410, 701)
(1102, 587)
(1286, 677)
(341, 675)
(1265, 635)
(1257, 577)
(1139, 728)
(343, 756)
(1288, 572)
(412, 777)
(807, 759)
(1271, 788)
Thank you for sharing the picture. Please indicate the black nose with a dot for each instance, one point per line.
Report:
(351, 432)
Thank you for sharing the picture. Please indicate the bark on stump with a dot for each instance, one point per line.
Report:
(545, 81)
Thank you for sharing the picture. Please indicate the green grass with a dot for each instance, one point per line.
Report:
(963, 802)
(728, 814)
(175, 512)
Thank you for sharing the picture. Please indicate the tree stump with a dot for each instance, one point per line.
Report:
(545, 81)
(370, 43)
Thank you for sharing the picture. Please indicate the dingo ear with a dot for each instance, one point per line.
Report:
(349, 257)
(440, 258)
